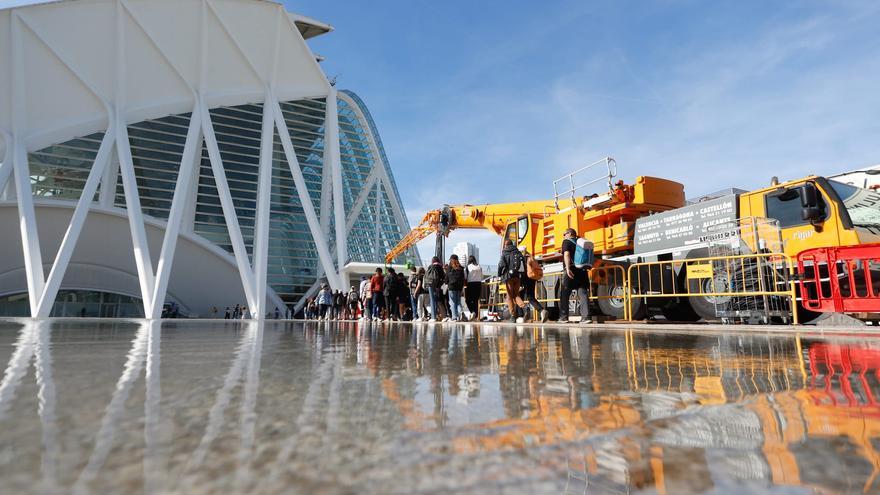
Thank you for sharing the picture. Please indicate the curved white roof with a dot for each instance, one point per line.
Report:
(73, 63)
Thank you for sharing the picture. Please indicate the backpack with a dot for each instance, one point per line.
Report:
(534, 270)
(583, 253)
(432, 276)
(352, 297)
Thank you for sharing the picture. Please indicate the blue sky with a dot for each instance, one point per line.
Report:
(490, 101)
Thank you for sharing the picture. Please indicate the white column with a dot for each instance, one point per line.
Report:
(378, 244)
(229, 214)
(68, 243)
(30, 241)
(333, 158)
(264, 196)
(135, 216)
(6, 165)
(306, 200)
(185, 176)
(107, 195)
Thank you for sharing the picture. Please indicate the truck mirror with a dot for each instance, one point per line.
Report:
(809, 196)
(811, 215)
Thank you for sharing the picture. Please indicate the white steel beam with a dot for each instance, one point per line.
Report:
(175, 216)
(306, 200)
(378, 219)
(361, 199)
(30, 240)
(135, 216)
(229, 214)
(6, 165)
(107, 194)
(331, 155)
(263, 214)
(68, 243)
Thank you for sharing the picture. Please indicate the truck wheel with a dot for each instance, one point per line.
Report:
(614, 306)
(704, 306)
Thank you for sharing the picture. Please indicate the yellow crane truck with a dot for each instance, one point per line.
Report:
(649, 220)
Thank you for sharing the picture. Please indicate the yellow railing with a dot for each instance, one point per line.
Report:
(756, 281)
(615, 275)
(739, 283)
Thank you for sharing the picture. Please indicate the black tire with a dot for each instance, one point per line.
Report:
(703, 306)
(614, 307)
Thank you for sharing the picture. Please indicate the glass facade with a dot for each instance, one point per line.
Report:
(60, 171)
(78, 303)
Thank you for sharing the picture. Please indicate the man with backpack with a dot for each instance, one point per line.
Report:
(509, 268)
(353, 300)
(435, 277)
(577, 258)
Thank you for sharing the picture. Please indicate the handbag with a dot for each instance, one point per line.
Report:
(534, 270)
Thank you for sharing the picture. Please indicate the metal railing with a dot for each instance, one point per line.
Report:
(609, 172)
(547, 289)
(739, 285)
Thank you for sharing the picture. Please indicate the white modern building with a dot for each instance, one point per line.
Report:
(465, 249)
(185, 151)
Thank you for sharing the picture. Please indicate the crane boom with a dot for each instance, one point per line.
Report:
(492, 217)
(607, 219)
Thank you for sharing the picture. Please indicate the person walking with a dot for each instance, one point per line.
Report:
(366, 299)
(413, 282)
(228, 314)
(404, 299)
(421, 294)
(277, 313)
(474, 287)
(312, 313)
(325, 300)
(244, 313)
(455, 279)
(575, 277)
(377, 284)
(509, 270)
(339, 305)
(389, 290)
(435, 277)
(531, 269)
(353, 301)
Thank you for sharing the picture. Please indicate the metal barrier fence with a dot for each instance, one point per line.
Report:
(744, 287)
(607, 283)
(841, 279)
(740, 286)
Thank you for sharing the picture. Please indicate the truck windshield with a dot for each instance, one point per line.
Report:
(863, 205)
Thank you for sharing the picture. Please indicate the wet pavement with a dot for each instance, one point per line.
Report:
(293, 407)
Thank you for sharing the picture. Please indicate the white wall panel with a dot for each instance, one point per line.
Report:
(174, 27)
(54, 97)
(78, 42)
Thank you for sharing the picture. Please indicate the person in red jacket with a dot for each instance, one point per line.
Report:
(377, 283)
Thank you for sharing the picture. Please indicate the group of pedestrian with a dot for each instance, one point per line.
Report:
(332, 305)
(433, 294)
(240, 311)
(519, 272)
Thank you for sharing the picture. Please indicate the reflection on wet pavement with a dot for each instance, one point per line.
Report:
(193, 407)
